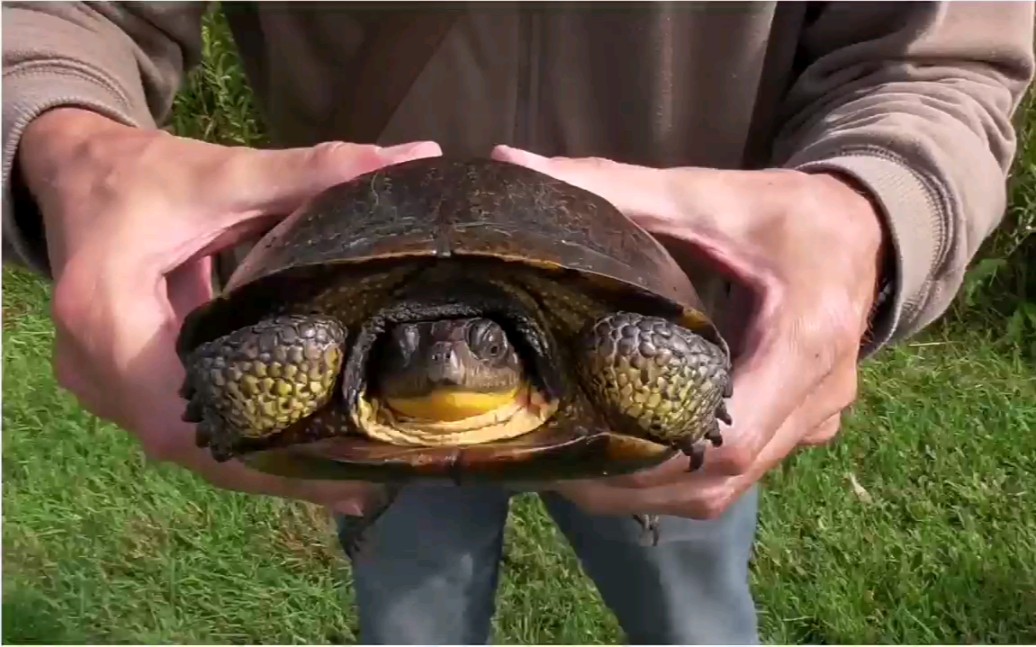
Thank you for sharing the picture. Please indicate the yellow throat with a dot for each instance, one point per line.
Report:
(448, 418)
(450, 405)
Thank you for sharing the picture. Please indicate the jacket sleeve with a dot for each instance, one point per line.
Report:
(125, 60)
(915, 102)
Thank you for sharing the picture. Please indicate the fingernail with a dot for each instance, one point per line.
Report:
(518, 156)
(411, 149)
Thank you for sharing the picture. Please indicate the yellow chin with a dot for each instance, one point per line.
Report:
(454, 419)
(447, 405)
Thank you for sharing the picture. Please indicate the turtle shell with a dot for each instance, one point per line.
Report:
(439, 207)
(443, 208)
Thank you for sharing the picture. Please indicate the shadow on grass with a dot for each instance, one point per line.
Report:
(29, 619)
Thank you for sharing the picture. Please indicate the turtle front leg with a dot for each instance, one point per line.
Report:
(659, 380)
(249, 385)
(656, 379)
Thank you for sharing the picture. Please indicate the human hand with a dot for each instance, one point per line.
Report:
(808, 249)
(132, 219)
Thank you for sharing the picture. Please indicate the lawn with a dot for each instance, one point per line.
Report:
(917, 526)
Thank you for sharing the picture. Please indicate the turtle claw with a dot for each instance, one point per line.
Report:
(695, 452)
(649, 529)
(205, 438)
(351, 536)
(714, 436)
(715, 439)
(696, 458)
(723, 415)
(203, 434)
(193, 412)
(187, 389)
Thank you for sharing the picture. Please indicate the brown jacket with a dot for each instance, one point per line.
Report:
(913, 99)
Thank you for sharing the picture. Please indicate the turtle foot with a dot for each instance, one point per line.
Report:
(649, 529)
(255, 382)
(657, 379)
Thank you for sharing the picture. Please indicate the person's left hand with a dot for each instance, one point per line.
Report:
(809, 249)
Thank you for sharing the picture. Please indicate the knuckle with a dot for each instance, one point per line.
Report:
(68, 304)
(234, 167)
(829, 332)
(713, 508)
(598, 163)
(336, 161)
(326, 153)
(159, 448)
(736, 459)
(825, 433)
(720, 500)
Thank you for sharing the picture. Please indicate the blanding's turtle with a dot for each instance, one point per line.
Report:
(462, 319)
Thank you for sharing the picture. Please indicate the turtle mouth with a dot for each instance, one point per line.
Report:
(453, 417)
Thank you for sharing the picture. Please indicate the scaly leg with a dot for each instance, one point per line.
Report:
(253, 383)
(657, 379)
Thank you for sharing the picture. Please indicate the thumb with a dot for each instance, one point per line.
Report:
(634, 190)
(189, 286)
(692, 211)
(276, 182)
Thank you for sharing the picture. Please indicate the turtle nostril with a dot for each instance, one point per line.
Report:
(443, 357)
(445, 365)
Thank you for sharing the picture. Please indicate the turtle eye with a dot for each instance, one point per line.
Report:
(487, 339)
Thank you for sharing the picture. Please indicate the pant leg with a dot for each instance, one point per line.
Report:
(692, 588)
(429, 567)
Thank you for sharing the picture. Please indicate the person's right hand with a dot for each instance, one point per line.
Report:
(132, 219)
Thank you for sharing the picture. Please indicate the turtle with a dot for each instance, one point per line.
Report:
(455, 319)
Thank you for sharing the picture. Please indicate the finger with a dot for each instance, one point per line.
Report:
(252, 190)
(764, 391)
(279, 181)
(348, 497)
(706, 499)
(825, 432)
(634, 190)
(686, 207)
(770, 379)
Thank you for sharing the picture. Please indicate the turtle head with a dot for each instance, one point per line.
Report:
(448, 369)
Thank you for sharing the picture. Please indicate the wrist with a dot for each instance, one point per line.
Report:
(866, 225)
(53, 138)
(861, 217)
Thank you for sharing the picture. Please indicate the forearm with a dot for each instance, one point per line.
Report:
(122, 60)
(915, 103)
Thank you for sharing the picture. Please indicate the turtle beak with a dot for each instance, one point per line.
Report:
(445, 367)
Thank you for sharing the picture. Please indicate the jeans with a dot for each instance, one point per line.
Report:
(428, 570)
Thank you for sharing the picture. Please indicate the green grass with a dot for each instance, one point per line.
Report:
(939, 546)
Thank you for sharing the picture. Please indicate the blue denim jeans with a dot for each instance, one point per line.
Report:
(428, 571)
